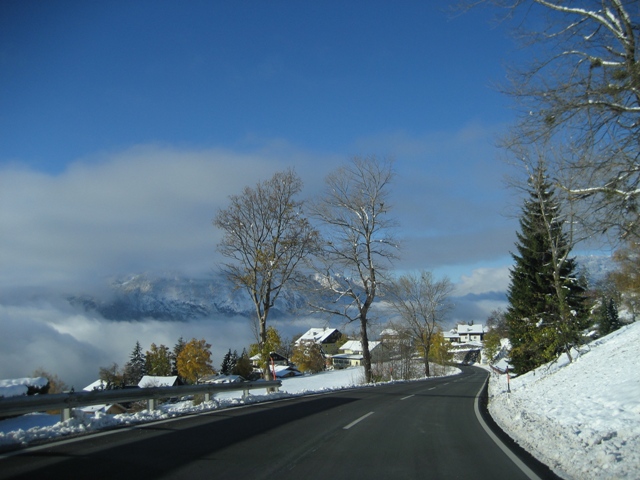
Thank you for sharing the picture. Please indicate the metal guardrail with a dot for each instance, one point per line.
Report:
(66, 401)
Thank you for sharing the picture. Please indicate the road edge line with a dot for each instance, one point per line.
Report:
(512, 456)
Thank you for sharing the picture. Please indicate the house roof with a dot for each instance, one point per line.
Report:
(470, 329)
(356, 346)
(155, 381)
(316, 335)
(97, 385)
(286, 371)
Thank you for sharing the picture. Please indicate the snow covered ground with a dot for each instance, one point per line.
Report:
(582, 419)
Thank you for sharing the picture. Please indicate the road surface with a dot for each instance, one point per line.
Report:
(424, 429)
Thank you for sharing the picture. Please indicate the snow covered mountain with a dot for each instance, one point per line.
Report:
(176, 298)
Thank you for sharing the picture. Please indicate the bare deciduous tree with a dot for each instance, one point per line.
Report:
(266, 236)
(422, 303)
(358, 247)
(581, 92)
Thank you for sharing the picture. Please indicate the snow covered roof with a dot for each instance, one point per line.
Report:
(356, 346)
(97, 385)
(316, 335)
(14, 387)
(155, 381)
(470, 329)
(389, 332)
(283, 371)
(223, 379)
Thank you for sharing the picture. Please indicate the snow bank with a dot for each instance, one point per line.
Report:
(580, 418)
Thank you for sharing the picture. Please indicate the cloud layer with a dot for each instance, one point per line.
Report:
(149, 209)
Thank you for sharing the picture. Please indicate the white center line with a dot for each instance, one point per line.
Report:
(357, 421)
(432, 388)
(407, 397)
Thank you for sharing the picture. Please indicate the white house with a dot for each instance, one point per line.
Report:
(465, 334)
(319, 336)
(351, 355)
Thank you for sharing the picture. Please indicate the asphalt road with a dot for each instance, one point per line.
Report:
(425, 429)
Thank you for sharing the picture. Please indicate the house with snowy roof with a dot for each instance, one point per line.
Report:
(352, 354)
(465, 334)
(325, 337)
(274, 359)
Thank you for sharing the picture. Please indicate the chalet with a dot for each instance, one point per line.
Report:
(351, 355)
(286, 371)
(325, 337)
(275, 359)
(320, 336)
(465, 334)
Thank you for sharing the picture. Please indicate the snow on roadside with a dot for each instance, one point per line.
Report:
(31, 428)
(582, 418)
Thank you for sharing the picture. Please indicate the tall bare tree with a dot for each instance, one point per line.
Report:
(358, 246)
(581, 91)
(266, 236)
(422, 303)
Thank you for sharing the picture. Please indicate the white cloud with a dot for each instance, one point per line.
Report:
(74, 346)
(146, 208)
(483, 280)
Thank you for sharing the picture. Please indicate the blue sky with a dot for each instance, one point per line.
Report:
(86, 77)
(105, 107)
(125, 125)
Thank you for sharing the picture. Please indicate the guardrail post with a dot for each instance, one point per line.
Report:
(65, 414)
(207, 396)
(245, 393)
(151, 404)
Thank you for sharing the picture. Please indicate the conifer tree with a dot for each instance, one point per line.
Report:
(135, 368)
(546, 300)
(609, 320)
(178, 347)
(226, 367)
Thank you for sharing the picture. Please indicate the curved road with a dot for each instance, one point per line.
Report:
(425, 429)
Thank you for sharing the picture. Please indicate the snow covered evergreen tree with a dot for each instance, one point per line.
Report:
(546, 300)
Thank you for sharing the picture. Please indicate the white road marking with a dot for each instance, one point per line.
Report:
(407, 397)
(525, 469)
(347, 427)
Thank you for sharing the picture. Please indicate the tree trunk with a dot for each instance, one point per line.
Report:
(366, 355)
(427, 372)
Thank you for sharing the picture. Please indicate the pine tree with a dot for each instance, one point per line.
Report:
(546, 301)
(135, 368)
(609, 320)
(225, 368)
(178, 347)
